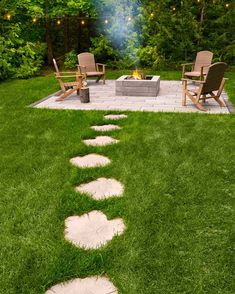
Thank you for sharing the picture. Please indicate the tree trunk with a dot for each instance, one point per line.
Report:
(185, 54)
(201, 23)
(66, 35)
(79, 34)
(48, 34)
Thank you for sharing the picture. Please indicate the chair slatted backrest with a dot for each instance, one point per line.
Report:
(88, 60)
(203, 58)
(214, 77)
(56, 66)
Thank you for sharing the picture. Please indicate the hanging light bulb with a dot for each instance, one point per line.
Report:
(8, 16)
(227, 5)
(106, 21)
(83, 22)
(152, 14)
(34, 20)
(174, 8)
(58, 22)
(129, 18)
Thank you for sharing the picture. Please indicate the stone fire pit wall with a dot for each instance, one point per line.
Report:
(145, 88)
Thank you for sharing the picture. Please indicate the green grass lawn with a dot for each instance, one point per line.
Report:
(178, 205)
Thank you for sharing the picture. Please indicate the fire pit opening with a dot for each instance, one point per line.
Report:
(144, 78)
(138, 76)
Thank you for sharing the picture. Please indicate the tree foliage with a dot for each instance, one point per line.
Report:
(124, 33)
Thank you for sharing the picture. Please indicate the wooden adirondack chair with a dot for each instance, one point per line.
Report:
(88, 66)
(212, 87)
(199, 67)
(68, 87)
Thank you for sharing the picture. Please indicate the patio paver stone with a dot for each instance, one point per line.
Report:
(100, 141)
(92, 230)
(90, 161)
(102, 188)
(105, 128)
(103, 97)
(90, 285)
(115, 116)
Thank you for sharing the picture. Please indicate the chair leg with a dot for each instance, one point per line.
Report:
(67, 93)
(98, 79)
(200, 107)
(184, 93)
(197, 99)
(220, 102)
(204, 99)
(217, 99)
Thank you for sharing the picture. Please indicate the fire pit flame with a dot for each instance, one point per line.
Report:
(137, 75)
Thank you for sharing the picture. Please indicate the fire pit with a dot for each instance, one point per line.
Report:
(138, 85)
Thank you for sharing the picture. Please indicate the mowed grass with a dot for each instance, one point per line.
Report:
(178, 205)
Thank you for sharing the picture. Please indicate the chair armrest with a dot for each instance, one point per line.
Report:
(195, 81)
(102, 65)
(184, 67)
(68, 76)
(184, 64)
(67, 72)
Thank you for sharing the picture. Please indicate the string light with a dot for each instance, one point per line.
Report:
(8, 16)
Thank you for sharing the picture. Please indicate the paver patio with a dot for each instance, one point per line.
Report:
(102, 97)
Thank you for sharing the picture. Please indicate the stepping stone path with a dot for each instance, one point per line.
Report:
(105, 128)
(92, 285)
(100, 141)
(115, 116)
(91, 160)
(92, 230)
(102, 188)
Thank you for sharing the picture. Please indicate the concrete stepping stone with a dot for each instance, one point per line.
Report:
(90, 160)
(115, 116)
(105, 128)
(92, 230)
(102, 188)
(91, 285)
(100, 141)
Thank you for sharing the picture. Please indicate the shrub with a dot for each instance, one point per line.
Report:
(70, 60)
(149, 57)
(19, 58)
(102, 49)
